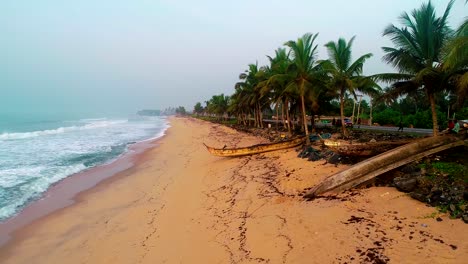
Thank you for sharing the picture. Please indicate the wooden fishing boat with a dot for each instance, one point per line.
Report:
(255, 149)
(363, 149)
(375, 166)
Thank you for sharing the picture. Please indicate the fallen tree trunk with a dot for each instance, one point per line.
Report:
(370, 168)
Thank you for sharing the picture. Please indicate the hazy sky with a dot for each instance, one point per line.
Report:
(110, 56)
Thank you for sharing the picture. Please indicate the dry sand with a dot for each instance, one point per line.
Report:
(179, 204)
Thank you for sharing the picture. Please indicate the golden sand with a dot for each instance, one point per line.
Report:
(179, 204)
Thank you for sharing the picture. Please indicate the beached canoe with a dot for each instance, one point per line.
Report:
(363, 149)
(255, 149)
(375, 166)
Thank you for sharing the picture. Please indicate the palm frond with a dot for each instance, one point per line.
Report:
(403, 60)
(391, 77)
(356, 67)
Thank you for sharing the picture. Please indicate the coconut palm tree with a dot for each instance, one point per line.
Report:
(218, 105)
(275, 82)
(456, 61)
(418, 54)
(249, 91)
(346, 75)
(198, 108)
(303, 70)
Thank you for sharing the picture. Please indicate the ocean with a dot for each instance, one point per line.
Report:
(37, 154)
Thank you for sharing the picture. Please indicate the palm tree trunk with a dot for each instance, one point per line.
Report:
(312, 121)
(304, 118)
(260, 115)
(294, 118)
(255, 117)
(435, 127)
(343, 128)
(277, 115)
(259, 111)
(288, 119)
(283, 105)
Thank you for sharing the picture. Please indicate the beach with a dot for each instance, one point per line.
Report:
(179, 204)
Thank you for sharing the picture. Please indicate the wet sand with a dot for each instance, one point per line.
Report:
(179, 204)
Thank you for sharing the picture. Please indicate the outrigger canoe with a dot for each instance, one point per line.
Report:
(363, 149)
(255, 149)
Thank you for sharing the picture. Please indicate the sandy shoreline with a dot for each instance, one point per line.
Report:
(178, 204)
(67, 191)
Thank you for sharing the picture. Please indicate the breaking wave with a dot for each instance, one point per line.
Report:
(92, 125)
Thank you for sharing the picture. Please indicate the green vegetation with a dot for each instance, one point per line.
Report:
(217, 120)
(198, 109)
(444, 182)
(345, 75)
(420, 56)
(430, 85)
(180, 110)
(454, 209)
(431, 215)
(452, 170)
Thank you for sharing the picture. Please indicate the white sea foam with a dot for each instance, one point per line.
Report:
(35, 187)
(30, 162)
(60, 130)
(13, 177)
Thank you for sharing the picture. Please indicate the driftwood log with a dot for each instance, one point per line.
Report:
(370, 168)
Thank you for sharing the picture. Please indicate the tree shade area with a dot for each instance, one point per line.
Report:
(429, 86)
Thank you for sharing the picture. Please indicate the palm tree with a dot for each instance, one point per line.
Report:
(246, 90)
(456, 61)
(345, 75)
(418, 54)
(218, 105)
(302, 70)
(198, 108)
(275, 82)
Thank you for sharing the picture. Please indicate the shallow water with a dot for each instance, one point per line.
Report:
(37, 154)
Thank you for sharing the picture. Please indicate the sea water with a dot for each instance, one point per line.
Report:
(36, 154)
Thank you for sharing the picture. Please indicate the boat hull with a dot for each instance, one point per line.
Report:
(255, 149)
(375, 166)
(363, 149)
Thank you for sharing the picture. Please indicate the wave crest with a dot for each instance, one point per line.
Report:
(60, 130)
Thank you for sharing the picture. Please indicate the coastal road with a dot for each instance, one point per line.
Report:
(377, 128)
(395, 129)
